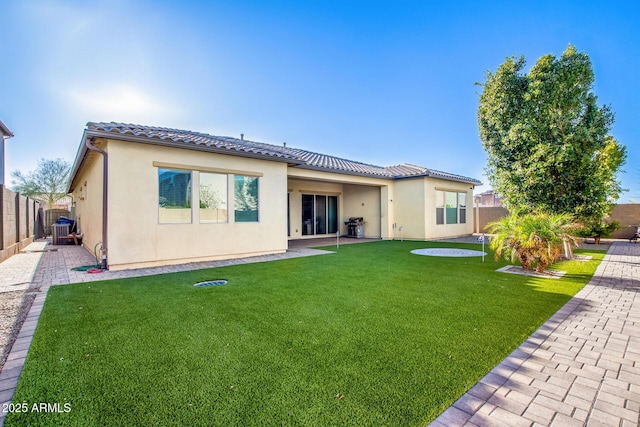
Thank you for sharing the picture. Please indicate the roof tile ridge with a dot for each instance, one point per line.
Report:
(315, 153)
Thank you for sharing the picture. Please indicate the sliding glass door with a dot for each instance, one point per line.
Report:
(319, 214)
(308, 210)
(332, 214)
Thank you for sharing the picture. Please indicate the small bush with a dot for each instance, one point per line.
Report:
(536, 240)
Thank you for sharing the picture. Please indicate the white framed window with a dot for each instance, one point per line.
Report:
(462, 207)
(174, 196)
(245, 197)
(451, 207)
(213, 197)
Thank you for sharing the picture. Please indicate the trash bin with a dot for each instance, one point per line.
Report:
(359, 231)
(70, 222)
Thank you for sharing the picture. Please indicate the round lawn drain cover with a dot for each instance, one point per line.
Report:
(212, 283)
(447, 252)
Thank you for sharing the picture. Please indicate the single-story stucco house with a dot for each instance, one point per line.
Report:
(156, 196)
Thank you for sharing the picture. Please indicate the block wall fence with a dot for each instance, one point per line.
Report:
(627, 214)
(18, 215)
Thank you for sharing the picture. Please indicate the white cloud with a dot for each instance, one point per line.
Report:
(120, 102)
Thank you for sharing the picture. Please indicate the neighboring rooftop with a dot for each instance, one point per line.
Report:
(4, 130)
(297, 157)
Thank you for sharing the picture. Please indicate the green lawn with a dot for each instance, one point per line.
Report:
(370, 336)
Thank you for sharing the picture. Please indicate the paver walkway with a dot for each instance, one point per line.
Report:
(16, 273)
(582, 367)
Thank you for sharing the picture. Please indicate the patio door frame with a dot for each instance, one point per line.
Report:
(319, 214)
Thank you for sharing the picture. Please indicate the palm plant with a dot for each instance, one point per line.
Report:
(508, 240)
(533, 239)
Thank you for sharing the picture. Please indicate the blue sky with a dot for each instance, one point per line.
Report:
(379, 82)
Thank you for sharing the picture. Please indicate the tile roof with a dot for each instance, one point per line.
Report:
(300, 158)
(189, 138)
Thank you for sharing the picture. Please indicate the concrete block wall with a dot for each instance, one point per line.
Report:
(8, 218)
(628, 215)
(18, 220)
(23, 215)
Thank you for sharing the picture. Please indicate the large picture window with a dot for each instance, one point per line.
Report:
(213, 197)
(174, 201)
(451, 207)
(245, 190)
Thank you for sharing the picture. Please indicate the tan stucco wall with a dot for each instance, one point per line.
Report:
(363, 201)
(137, 239)
(433, 230)
(414, 209)
(409, 208)
(87, 195)
(387, 216)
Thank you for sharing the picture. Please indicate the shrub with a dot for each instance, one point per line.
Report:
(536, 240)
(599, 229)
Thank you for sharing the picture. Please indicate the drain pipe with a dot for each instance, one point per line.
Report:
(105, 176)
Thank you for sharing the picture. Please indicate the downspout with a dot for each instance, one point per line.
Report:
(105, 186)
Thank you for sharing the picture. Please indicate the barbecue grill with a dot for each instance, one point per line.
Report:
(355, 227)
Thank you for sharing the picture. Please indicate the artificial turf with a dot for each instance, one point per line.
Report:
(369, 336)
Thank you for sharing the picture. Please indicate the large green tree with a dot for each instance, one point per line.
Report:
(48, 182)
(547, 140)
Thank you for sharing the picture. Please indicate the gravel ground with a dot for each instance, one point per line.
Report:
(14, 307)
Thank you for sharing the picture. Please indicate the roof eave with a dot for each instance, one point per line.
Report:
(465, 180)
(89, 134)
(82, 151)
(6, 132)
(343, 172)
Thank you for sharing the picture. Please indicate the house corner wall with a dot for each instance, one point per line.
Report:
(386, 211)
(87, 194)
(408, 209)
(436, 231)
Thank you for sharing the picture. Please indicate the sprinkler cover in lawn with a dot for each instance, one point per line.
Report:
(217, 282)
(447, 252)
